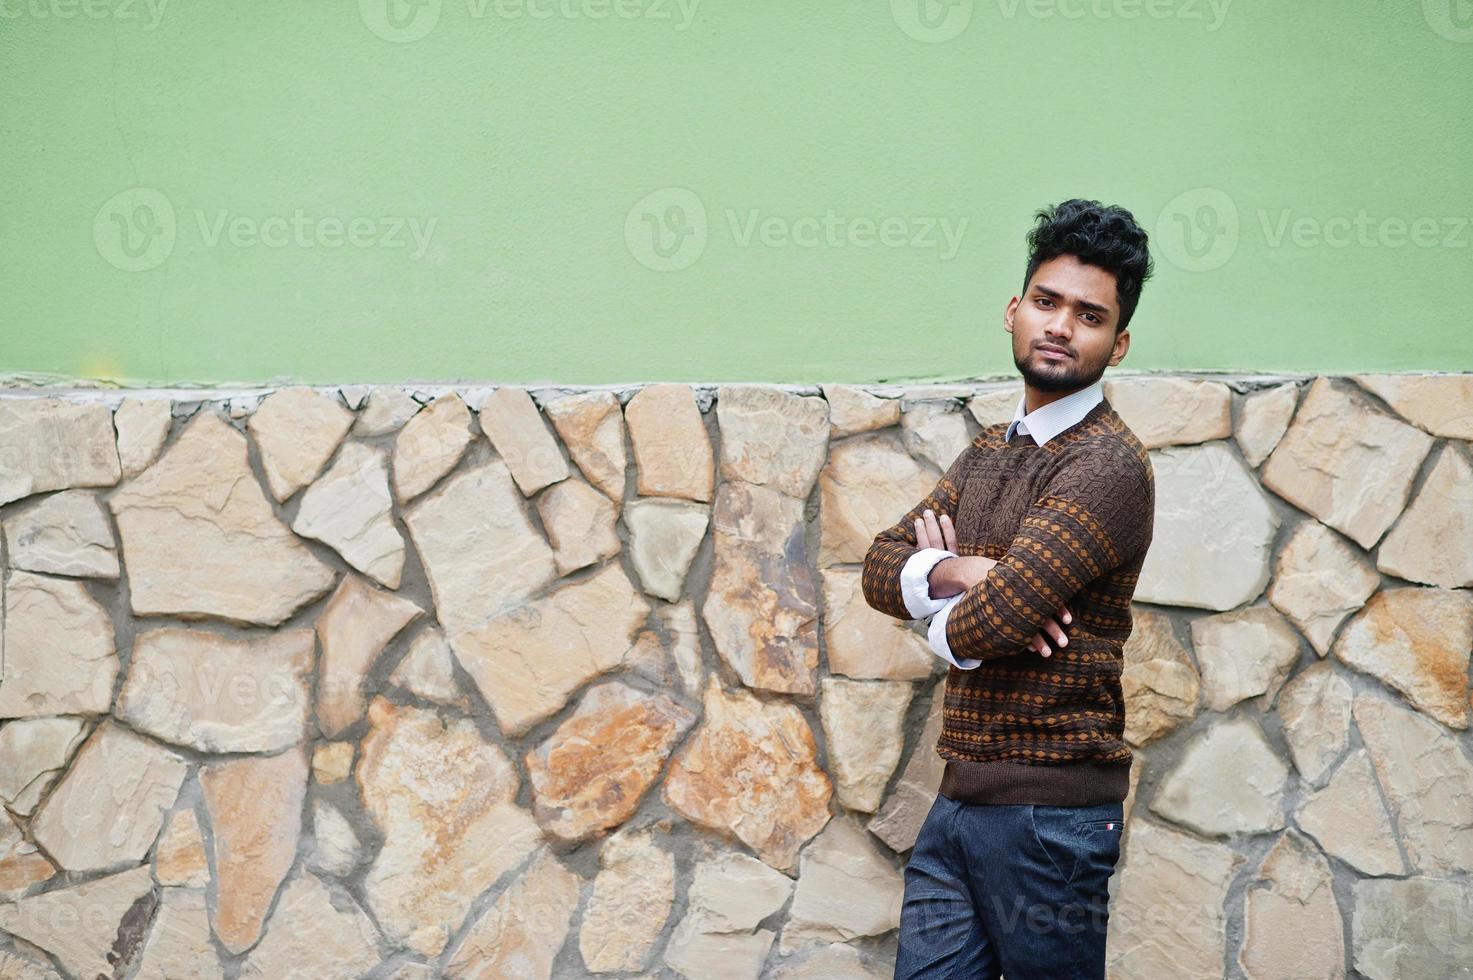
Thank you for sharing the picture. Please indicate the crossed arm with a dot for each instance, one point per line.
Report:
(953, 576)
(912, 571)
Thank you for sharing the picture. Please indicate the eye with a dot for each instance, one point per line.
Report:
(1094, 318)
(1044, 299)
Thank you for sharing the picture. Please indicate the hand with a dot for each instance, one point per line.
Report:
(1040, 645)
(931, 533)
(959, 574)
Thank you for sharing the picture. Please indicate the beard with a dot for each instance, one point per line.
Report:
(1053, 376)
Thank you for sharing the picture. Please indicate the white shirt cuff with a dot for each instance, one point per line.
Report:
(936, 636)
(914, 585)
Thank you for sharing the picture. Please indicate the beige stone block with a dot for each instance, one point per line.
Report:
(201, 539)
(1314, 715)
(1214, 531)
(1172, 411)
(52, 444)
(1427, 780)
(428, 669)
(580, 525)
(846, 889)
(1411, 928)
(1243, 654)
(58, 649)
(629, 903)
(350, 510)
(1348, 819)
(864, 643)
(723, 777)
(1263, 420)
(671, 448)
(445, 801)
(429, 445)
(590, 775)
(526, 662)
(863, 724)
(108, 808)
(664, 536)
(1417, 641)
(1291, 920)
(33, 753)
(761, 607)
(1346, 463)
(867, 485)
(1167, 917)
(78, 924)
(1159, 681)
(853, 410)
(310, 936)
(512, 422)
(479, 548)
(64, 534)
(591, 425)
(1420, 547)
(387, 410)
(217, 693)
(522, 933)
(355, 626)
(142, 425)
(178, 946)
(935, 431)
(21, 866)
(180, 858)
(1228, 780)
(771, 437)
(297, 431)
(899, 821)
(1319, 580)
(254, 804)
(1442, 404)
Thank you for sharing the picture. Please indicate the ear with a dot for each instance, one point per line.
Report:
(1122, 344)
(1007, 314)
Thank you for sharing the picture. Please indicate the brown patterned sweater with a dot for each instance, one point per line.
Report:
(1069, 524)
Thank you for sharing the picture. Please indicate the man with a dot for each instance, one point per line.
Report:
(1025, 557)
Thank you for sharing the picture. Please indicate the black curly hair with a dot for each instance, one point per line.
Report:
(1098, 235)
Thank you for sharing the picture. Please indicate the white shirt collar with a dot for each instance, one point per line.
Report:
(1049, 420)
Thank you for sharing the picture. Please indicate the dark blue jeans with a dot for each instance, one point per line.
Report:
(1015, 889)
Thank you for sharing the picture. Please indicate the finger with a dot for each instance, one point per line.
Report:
(948, 533)
(1054, 630)
(1039, 645)
(923, 537)
(932, 528)
(1065, 616)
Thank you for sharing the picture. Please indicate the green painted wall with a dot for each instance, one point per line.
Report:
(206, 191)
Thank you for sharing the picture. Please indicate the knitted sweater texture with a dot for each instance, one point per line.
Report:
(1069, 524)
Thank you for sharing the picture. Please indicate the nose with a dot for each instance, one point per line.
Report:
(1058, 329)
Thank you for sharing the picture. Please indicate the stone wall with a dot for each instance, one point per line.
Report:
(494, 683)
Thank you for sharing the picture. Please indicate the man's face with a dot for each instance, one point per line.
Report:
(1072, 306)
